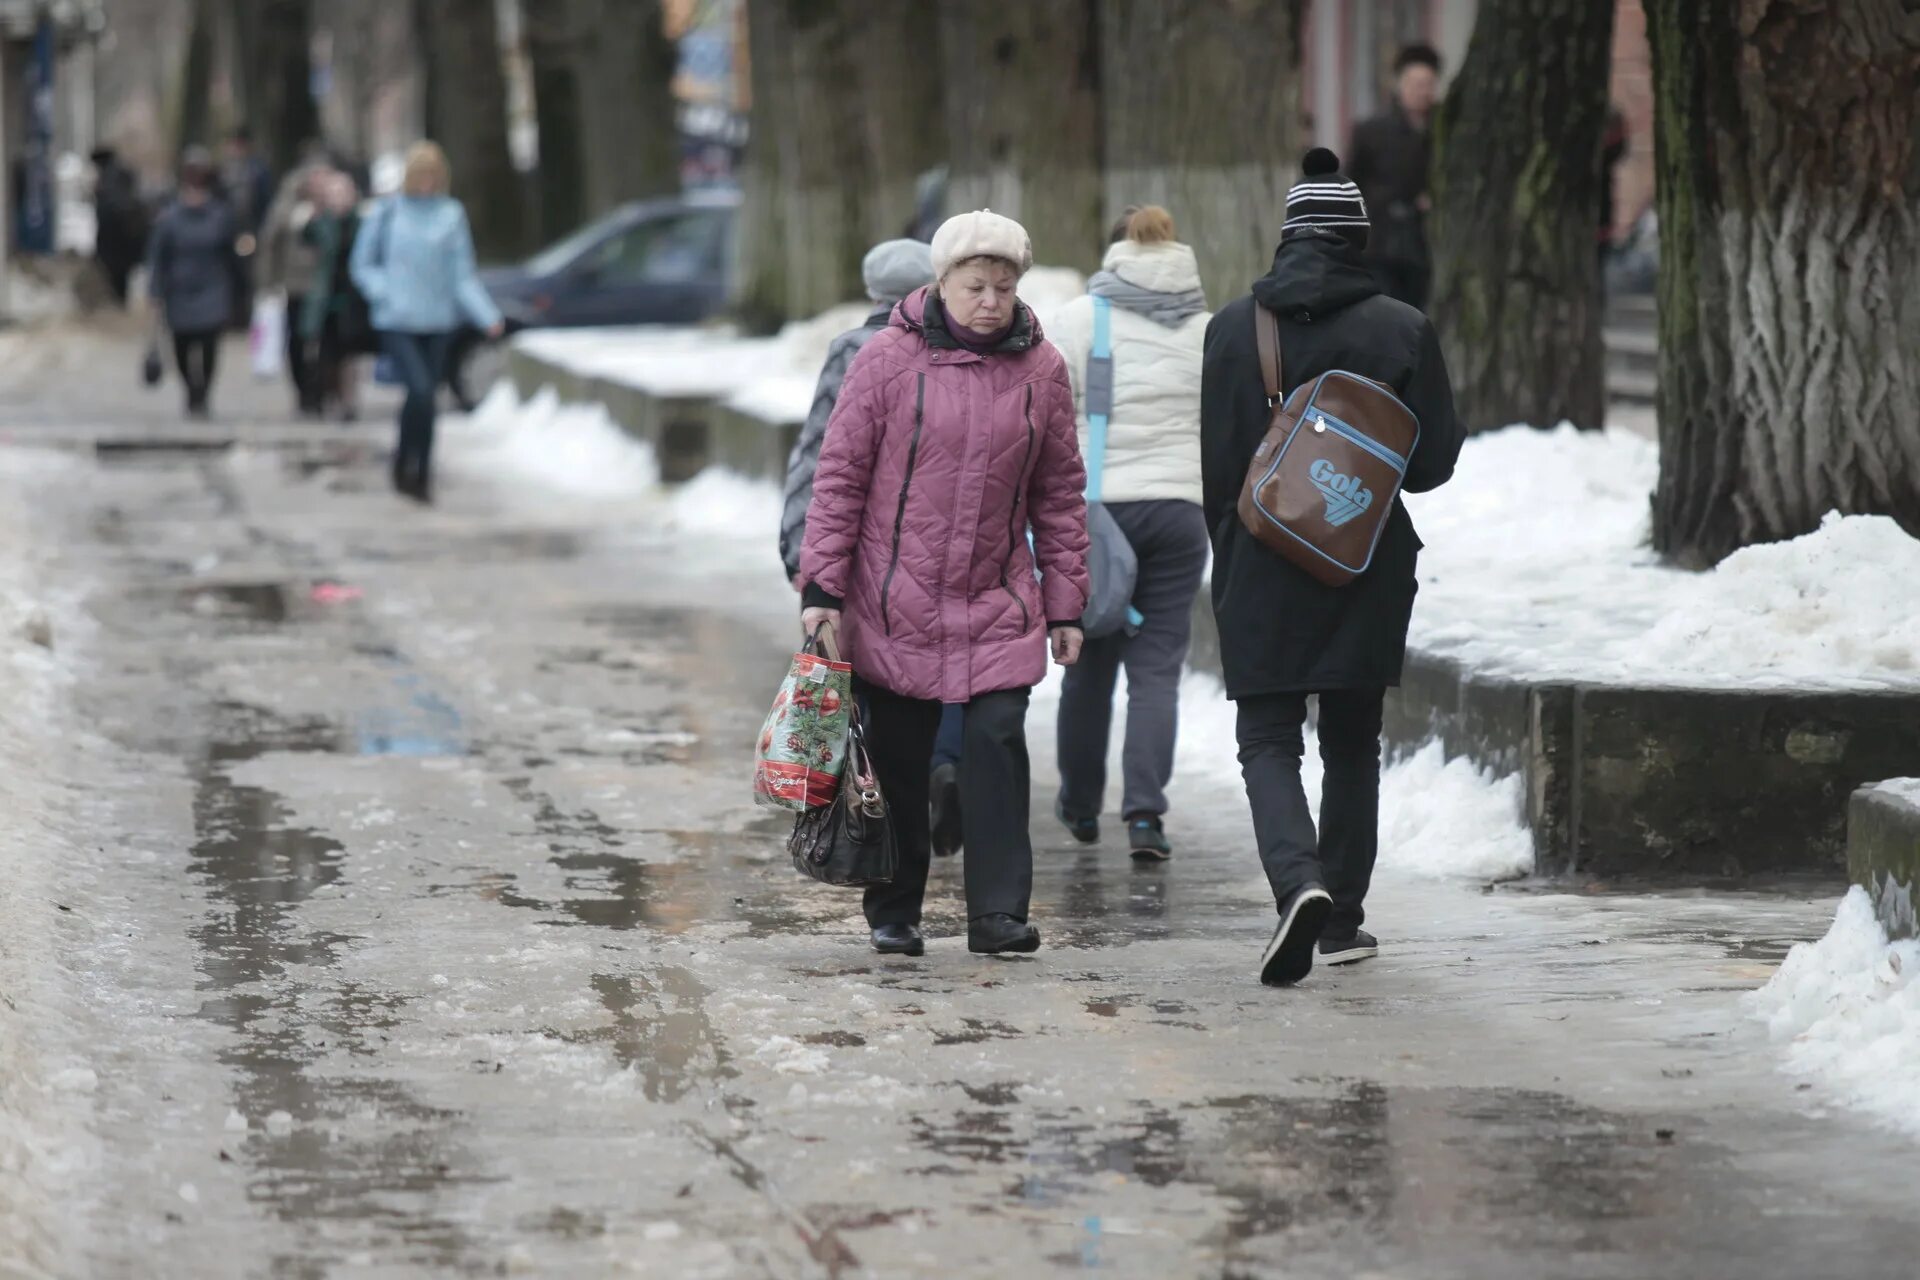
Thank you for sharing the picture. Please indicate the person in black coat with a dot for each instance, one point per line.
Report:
(1283, 634)
(1389, 160)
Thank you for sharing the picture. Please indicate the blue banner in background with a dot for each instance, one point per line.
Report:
(38, 211)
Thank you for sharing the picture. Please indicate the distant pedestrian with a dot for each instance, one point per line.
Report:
(1150, 484)
(1284, 635)
(248, 182)
(953, 437)
(288, 264)
(1389, 159)
(333, 321)
(192, 267)
(892, 270)
(414, 262)
(120, 221)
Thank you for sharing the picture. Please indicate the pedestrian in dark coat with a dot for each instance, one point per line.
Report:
(192, 267)
(1389, 159)
(1284, 635)
(120, 221)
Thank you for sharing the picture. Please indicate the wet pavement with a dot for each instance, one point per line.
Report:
(433, 934)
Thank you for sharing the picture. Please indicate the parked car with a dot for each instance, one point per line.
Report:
(651, 262)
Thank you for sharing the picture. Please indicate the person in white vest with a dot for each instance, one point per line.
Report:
(1143, 464)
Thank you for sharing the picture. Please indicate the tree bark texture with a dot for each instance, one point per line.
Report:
(846, 114)
(467, 112)
(274, 43)
(1788, 160)
(551, 45)
(1201, 104)
(1023, 115)
(1518, 187)
(196, 81)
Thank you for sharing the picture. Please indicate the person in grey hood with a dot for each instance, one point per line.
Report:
(193, 274)
(892, 270)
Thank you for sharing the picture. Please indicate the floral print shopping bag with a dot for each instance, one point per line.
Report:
(803, 745)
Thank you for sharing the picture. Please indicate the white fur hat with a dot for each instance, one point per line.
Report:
(980, 233)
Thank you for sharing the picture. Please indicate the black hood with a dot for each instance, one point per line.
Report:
(1315, 273)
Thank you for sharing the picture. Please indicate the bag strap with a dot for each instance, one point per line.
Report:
(1266, 329)
(825, 642)
(386, 234)
(1099, 394)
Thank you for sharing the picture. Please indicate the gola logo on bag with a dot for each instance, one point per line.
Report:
(1346, 496)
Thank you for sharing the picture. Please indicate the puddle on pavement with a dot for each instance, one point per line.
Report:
(238, 601)
(322, 1148)
(660, 1030)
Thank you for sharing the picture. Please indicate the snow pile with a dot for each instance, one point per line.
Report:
(1847, 1011)
(1441, 817)
(722, 503)
(1537, 566)
(569, 448)
(44, 1080)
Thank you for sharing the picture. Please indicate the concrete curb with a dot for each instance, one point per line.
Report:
(1883, 855)
(687, 434)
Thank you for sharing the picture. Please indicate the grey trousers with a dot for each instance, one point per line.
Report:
(1170, 539)
(1339, 857)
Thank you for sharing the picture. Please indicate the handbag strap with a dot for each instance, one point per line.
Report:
(1266, 330)
(824, 641)
(1099, 394)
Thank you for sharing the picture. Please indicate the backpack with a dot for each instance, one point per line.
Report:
(1112, 566)
(1323, 481)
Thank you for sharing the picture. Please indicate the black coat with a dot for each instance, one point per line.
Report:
(1389, 161)
(1281, 630)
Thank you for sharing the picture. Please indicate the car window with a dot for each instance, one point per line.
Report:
(556, 258)
(682, 248)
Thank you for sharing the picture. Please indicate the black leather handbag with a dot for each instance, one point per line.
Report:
(849, 842)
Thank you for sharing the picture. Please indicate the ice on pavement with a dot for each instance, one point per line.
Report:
(1537, 564)
(1846, 1012)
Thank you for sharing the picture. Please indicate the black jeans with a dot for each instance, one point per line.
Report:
(419, 359)
(197, 354)
(302, 368)
(1340, 856)
(1170, 539)
(995, 786)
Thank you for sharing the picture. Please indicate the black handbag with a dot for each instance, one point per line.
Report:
(849, 842)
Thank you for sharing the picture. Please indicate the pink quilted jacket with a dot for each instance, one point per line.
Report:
(936, 462)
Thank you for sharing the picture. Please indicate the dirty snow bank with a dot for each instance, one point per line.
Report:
(1846, 1012)
(771, 379)
(574, 449)
(44, 1074)
(1537, 565)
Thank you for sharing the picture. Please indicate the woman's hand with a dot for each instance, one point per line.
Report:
(811, 620)
(1066, 645)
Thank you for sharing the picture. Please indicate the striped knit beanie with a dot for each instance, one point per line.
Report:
(1327, 199)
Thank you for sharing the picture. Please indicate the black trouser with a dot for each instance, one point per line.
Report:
(1340, 857)
(197, 355)
(995, 787)
(302, 370)
(419, 359)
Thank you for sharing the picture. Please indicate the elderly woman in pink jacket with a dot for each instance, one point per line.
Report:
(954, 437)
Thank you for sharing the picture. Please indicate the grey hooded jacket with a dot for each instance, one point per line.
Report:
(892, 270)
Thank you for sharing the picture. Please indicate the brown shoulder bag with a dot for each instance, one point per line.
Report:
(1323, 481)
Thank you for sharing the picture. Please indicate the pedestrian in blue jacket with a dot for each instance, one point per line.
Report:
(413, 260)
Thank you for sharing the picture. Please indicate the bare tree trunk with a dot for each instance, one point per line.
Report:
(1789, 199)
(551, 45)
(1518, 187)
(1202, 115)
(467, 110)
(274, 41)
(1023, 119)
(629, 138)
(845, 116)
(196, 79)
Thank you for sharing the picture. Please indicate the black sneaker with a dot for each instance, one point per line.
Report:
(1148, 839)
(1085, 830)
(1358, 945)
(1289, 956)
(947, 831)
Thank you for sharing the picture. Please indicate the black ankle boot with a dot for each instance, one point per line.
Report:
(898, 940)
(992, 934)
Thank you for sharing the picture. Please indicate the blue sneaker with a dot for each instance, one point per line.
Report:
(1148, 839)
(1085, 830)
